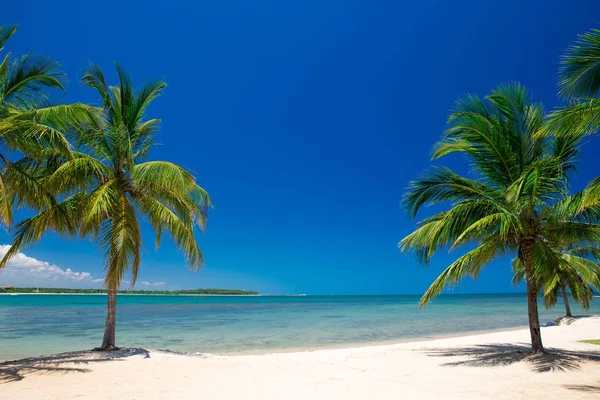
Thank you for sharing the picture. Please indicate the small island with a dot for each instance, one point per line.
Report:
(207, 292)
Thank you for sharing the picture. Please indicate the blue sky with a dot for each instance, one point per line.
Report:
(305, 121)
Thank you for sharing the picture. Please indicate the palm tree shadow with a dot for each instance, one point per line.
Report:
(64, 363)
(492, 355)
(585, 388)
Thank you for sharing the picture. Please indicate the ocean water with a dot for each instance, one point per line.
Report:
(33, 325)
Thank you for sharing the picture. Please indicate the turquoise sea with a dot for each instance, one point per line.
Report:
(33, 325)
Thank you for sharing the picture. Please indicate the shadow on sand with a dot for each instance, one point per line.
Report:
(569, 320)
(17, 370)
(585, 388)
(492, 355)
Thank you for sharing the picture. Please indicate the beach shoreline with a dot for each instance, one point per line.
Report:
(495, 365)
(291, 350)
(310, 349)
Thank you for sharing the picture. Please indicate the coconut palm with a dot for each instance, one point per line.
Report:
(575, 269)
(107, 186)
(515, 202)
(29, 125)
(580, 86)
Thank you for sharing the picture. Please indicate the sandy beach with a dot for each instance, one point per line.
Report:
(493, 365)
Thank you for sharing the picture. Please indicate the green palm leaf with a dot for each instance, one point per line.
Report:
(579, 83)
(580, 67)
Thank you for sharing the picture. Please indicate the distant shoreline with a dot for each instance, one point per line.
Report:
(130, 294)
(11, 290)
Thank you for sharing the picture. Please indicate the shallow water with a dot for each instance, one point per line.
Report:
(32, 325)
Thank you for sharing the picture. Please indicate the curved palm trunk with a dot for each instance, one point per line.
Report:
(526, 252)
(108, 342)
(566, 300)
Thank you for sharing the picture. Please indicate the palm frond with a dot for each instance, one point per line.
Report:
(60, 217)
(28, 76)
(32, 131)
(120, 237)
(582, 205)
(451, 228)
(579, 118)
(5, 34)
(5, 203)
(580, 67)
(165, 175)
(162, 219)
(468, 264)
(94, 78)
(77, 174)
(442, 184)
(137, 109)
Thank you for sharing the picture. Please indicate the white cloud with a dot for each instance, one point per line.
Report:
(146, 283)
(25, 271)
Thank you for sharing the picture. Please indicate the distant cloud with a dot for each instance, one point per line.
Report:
(25, 271)
(146, 283)
(142, 283)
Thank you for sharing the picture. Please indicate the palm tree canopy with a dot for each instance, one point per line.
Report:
(106, 186)
(516, 196)
(30, 124)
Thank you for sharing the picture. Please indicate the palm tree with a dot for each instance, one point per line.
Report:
(29, 125)
(514, 203)
(576, 269)
(580, 85)
(107, 186)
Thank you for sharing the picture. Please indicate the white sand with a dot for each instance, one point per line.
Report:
(468, 367)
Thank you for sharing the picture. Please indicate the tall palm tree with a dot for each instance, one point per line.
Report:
(107, 186)
(580, 85)
(514, 203)
(29, 124)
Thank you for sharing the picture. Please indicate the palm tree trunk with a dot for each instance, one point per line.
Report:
(108, 342)
(534, 319)
(526, 252)
(566, 299)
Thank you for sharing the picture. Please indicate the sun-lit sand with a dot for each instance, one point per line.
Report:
(493, 365)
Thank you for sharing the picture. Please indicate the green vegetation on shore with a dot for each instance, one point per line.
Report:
(99, 291)
(591, 341)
